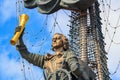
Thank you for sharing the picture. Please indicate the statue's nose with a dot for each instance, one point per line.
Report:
(54, 40)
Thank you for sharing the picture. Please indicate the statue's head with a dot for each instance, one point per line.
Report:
(58, 41)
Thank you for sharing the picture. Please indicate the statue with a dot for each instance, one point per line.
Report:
(50, 6)
(62, 65)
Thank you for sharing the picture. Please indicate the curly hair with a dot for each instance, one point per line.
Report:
(65, 41)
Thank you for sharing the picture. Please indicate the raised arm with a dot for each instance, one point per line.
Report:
(35, 59)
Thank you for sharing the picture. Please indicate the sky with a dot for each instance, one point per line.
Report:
(38, 32)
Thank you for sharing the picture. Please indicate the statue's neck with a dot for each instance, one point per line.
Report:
(57, 51)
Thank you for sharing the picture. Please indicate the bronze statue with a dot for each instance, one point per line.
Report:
(63, 65)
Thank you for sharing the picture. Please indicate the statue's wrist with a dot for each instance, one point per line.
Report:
(21, 47)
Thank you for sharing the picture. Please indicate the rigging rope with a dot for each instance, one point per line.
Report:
(116, 68)
(55, 18)
(23, 69)
(106, 19)
(107, 23)
(109, 5)
(114, 33)
(66, 13)
(30, 71)
(18, 12)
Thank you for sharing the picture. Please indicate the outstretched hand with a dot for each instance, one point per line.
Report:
(20, 41)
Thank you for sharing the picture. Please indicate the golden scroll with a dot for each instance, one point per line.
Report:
(23, 20)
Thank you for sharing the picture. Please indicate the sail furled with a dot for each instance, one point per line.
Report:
(50, 6)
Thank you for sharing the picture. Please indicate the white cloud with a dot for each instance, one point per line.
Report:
(8, 10)
(10, 68)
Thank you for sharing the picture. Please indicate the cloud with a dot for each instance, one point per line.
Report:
(10, 67)
(8, 10)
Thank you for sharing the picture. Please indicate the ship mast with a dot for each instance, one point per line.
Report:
(86, 40)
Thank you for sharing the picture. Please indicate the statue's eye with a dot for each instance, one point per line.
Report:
(54, 39)
(59, 38)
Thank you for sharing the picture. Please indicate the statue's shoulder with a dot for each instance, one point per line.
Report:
(69, 54)
(48, 57)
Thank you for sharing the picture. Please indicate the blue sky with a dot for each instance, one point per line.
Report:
(37, 37)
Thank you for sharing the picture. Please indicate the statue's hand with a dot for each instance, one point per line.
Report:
(17, 29)
(20, 41)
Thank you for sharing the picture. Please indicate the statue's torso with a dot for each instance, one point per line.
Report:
(54, 62)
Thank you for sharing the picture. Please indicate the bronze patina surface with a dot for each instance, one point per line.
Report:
(62, 65)
(50, 6)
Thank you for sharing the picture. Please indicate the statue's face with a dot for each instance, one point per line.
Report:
(57, 41)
